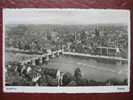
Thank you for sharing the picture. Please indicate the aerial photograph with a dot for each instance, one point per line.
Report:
(66, 48)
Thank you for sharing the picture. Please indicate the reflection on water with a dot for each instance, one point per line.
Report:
(90, 68)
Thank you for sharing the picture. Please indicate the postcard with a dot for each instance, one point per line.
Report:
(66, 50)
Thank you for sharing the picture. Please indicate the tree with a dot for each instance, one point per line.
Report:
(77, 74)
(67, 78)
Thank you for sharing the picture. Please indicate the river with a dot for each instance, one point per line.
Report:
(90, 69)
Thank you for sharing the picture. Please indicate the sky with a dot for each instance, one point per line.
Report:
(65, 16)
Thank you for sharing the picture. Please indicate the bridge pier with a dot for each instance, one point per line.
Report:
(53, 54)
(43, 59)
(58, 54)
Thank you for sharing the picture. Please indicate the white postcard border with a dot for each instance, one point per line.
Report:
(65, 89)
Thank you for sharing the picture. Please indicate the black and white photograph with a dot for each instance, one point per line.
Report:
(66, 50)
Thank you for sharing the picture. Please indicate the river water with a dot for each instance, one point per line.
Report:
(90, 69)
